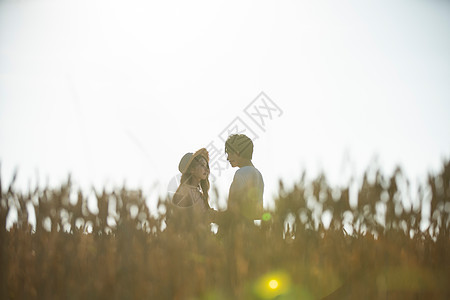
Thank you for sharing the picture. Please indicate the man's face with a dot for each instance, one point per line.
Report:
(233, 158)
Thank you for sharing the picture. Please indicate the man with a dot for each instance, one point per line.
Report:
(245, 200)
(245, 204)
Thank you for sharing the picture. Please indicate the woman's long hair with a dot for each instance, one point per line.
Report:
(204, 183)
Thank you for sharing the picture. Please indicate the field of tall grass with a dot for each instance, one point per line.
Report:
(382, 246)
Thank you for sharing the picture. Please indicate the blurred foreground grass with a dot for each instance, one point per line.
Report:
(384, 247)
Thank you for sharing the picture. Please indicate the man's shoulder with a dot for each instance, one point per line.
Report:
(248, 173)
(248, 170)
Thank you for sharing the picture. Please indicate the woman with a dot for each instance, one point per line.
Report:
(190, 200)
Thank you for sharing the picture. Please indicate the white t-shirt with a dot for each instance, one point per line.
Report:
(246, 193)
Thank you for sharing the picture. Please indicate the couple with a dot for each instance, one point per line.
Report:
(245, 200)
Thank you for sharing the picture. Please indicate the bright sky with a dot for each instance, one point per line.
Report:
(119, 90)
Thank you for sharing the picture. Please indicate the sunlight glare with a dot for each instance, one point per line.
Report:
(273, 284)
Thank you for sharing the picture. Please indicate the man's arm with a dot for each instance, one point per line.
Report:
(236, 196)
(225, 217)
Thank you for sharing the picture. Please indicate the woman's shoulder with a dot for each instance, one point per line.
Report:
(185, 196)
(180, 197)
(186, 189)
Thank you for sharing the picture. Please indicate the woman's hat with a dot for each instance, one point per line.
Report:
(187, 159)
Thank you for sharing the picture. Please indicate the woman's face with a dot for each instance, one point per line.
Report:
(201, 169)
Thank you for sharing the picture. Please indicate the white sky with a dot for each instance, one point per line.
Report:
(120, 90)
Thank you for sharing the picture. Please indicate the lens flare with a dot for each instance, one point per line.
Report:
(273, 284)
(266, 217)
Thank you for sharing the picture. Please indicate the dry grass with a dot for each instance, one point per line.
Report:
(290, 256)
